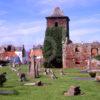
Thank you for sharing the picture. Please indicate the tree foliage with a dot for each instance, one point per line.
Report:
(52, 50)
(23, 51)
(97, 57)
(2, 79)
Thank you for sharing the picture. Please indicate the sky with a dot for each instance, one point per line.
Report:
(23, 21)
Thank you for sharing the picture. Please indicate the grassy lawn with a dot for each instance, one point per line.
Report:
(53, 90)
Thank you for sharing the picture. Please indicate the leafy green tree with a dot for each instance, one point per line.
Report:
(2, 79)
(97, 57)
(52, 50)
(23, 51)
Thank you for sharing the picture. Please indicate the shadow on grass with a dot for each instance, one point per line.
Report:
(9, 86)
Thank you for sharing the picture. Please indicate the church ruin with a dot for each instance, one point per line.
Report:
(77, 54)
(73, 54)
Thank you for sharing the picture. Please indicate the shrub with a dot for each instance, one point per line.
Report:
(97, 57)
(2, 79)
(92, 74)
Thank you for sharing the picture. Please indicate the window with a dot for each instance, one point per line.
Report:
(76, 49)
(56, 24)
(77, 61)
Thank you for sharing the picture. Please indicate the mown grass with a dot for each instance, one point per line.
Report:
(53, 90)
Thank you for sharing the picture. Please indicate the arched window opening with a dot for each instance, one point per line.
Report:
(77, 49)
(56, 24)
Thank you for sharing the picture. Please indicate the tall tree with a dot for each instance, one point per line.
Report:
(97, 57)
(23, 51)
(52, 50)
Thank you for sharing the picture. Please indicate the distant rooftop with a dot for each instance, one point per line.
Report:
(57, 12)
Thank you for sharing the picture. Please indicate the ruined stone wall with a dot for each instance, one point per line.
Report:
(76, 55)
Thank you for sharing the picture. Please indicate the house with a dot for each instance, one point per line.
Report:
(36, 52)
(9, 53)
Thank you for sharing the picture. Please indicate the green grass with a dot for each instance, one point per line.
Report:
(54, 88)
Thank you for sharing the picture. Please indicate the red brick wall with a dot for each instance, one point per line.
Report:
(61, 22)
(78, 59)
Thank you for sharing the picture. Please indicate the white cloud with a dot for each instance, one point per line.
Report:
(26, 28)
(27, 33)
(84, 31)
(86, 25)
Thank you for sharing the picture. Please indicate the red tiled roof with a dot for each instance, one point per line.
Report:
(10, 54)
(7, 54)
(36, 52)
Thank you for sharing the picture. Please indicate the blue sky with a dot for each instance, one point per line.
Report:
(23, 21)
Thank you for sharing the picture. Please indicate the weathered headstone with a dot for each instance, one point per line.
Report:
(48, 71)
(37, 69)
(39, 83)
(22, 77)
(34, 68)
(45, 72)
(52, 75)
(62, 72)
(72, 91)
(8, 92)
(13, 69)
(97, 78)
(13, 65)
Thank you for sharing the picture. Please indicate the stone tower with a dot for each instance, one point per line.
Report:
(58, 19)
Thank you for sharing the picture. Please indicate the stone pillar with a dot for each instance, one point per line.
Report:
(32, 72)
(64, 54)
(98, 51)
(37, 69)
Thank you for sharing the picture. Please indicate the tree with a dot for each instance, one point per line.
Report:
(97, 57)
(52, 50)
(23, 52)
(2, 79)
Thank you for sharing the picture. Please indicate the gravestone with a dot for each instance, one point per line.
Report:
(52, 75)
(72, 91)
(8, 92)
(37, 69)
(62, 72)
(22, 77)
(33, 72)
(97, 78)
(47, 71)
(39, 83)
